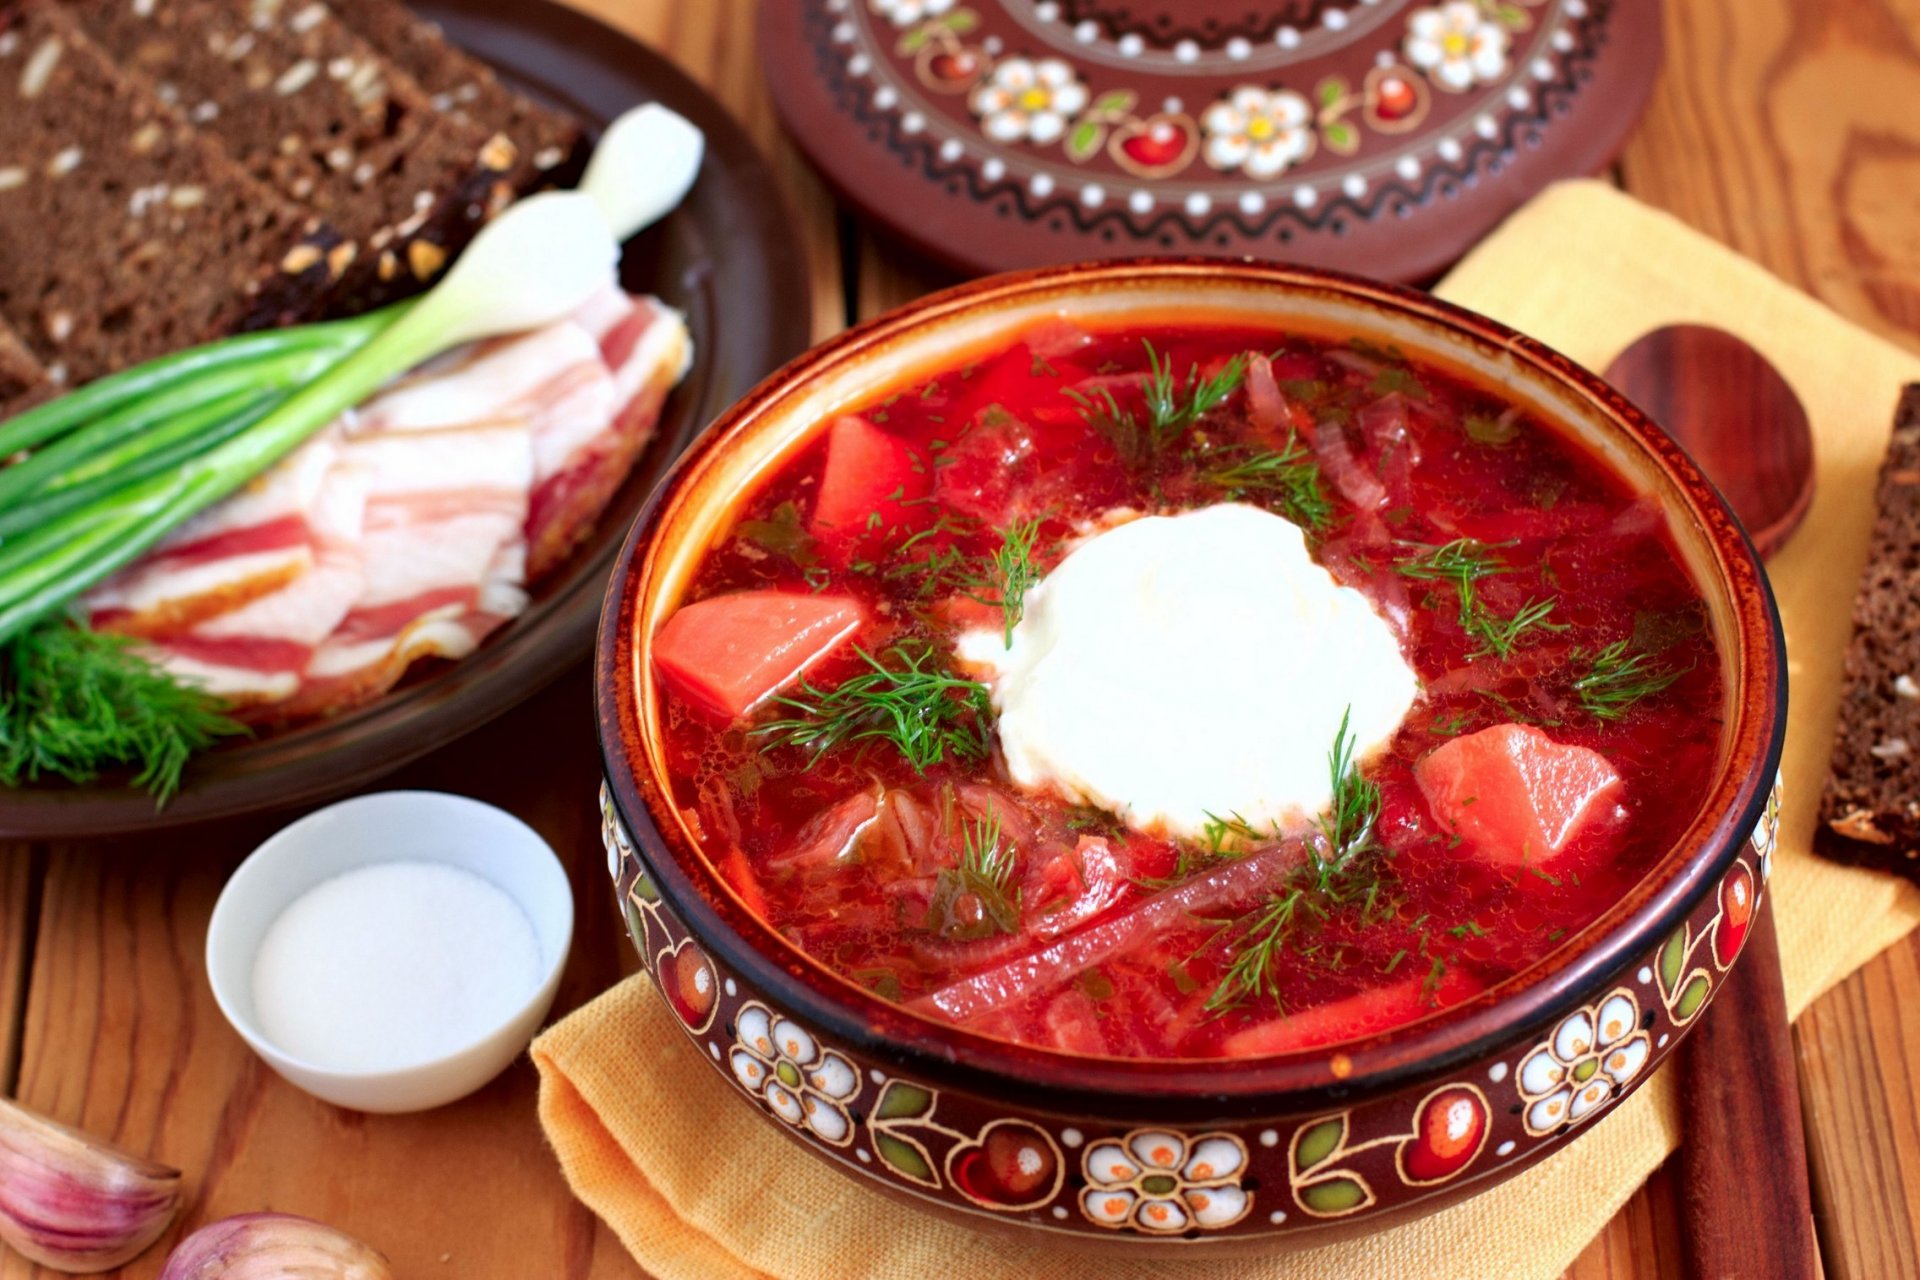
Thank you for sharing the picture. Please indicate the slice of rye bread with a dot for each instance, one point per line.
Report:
(1870, 810)
(23, 380)
(310, 108)
(124, 232)
(547, 141)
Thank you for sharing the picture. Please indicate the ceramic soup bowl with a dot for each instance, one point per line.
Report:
(1142, 1154)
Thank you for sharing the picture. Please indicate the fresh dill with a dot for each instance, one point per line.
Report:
(976, 897)
(1121, 427)
(1462, 562)
(1501, 636)
(1335, 878)
(1347, 826)
(75, 702)
(1466, 562)
(1617, 677)
(1171, 406)
(1254, 971)
(1288, 476)
(926, 714)
(1011, 572)
(781, 533)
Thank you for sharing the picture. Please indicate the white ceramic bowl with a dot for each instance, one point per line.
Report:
(390, 826)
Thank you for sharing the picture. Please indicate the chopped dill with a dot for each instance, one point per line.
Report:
(1289, 476)
(1011, 572)
(1500, 636)
(1091, 819)
(926, 714)
(1232, 833)
(1264, 933)
(1171, 406)
(782, 533)
(1334, 879)
(1393, 961)
(1465, 562)
(1617, 678)
(1348, 825)
(1398, 378)
(984, 875)
(74, 702)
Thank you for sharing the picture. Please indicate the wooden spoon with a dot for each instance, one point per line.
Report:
(1743, 1169)
(1729, 408)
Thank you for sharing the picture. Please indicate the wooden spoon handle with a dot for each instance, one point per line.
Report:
(1744, 1144)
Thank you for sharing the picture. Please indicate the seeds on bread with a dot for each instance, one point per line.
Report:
(311, 109)
(547, 142)
(127, 233)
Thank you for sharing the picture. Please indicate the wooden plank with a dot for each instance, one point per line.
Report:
(123, 1038)
(1784, 128)
(18, 879)
(714, 42)
(1860, 1078)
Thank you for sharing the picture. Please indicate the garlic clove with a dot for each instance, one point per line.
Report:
(271, 1246)
(76, 1204)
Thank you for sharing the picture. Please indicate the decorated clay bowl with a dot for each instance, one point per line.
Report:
(1299, 1147)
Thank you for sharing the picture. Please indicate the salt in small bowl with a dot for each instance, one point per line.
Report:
(392, 826)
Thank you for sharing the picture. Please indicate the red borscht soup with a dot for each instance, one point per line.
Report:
(1187, 691)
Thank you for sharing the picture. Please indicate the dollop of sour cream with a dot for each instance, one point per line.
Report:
(1175, 668)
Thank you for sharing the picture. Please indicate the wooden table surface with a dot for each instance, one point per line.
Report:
(1790, 129)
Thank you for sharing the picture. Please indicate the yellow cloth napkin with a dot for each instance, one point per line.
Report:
(700, 1187)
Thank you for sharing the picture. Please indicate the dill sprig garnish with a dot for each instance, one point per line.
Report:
(1465, 562)
(1616, 679)
(926, 714)
(1011, 571)
(1264, 933)
(1501, 636)
(1347, 826)
(1171, 406)
(1289, 476)
(983, 875)
(75, 702)
(1334, 878)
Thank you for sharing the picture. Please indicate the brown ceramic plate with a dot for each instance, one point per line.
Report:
(1382, 137)
(726, 257)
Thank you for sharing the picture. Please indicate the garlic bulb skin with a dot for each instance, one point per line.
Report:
(73, 1203)
(272, 1246)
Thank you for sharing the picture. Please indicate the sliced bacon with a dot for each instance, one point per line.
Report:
(647, 350)
(411, 527)
(248, 546)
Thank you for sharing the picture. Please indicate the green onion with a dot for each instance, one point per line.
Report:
(533, 265)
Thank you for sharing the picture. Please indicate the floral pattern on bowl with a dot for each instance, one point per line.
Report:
(991, 1157)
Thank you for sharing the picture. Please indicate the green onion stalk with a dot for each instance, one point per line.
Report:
(93, 480)
(223, 414)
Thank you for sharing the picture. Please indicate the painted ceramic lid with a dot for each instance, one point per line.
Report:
(1377, 136)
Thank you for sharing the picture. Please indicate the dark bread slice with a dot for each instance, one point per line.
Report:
(23, 382)
(311, 109)
(1870, 810)
(547, 141)
(124, 233)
